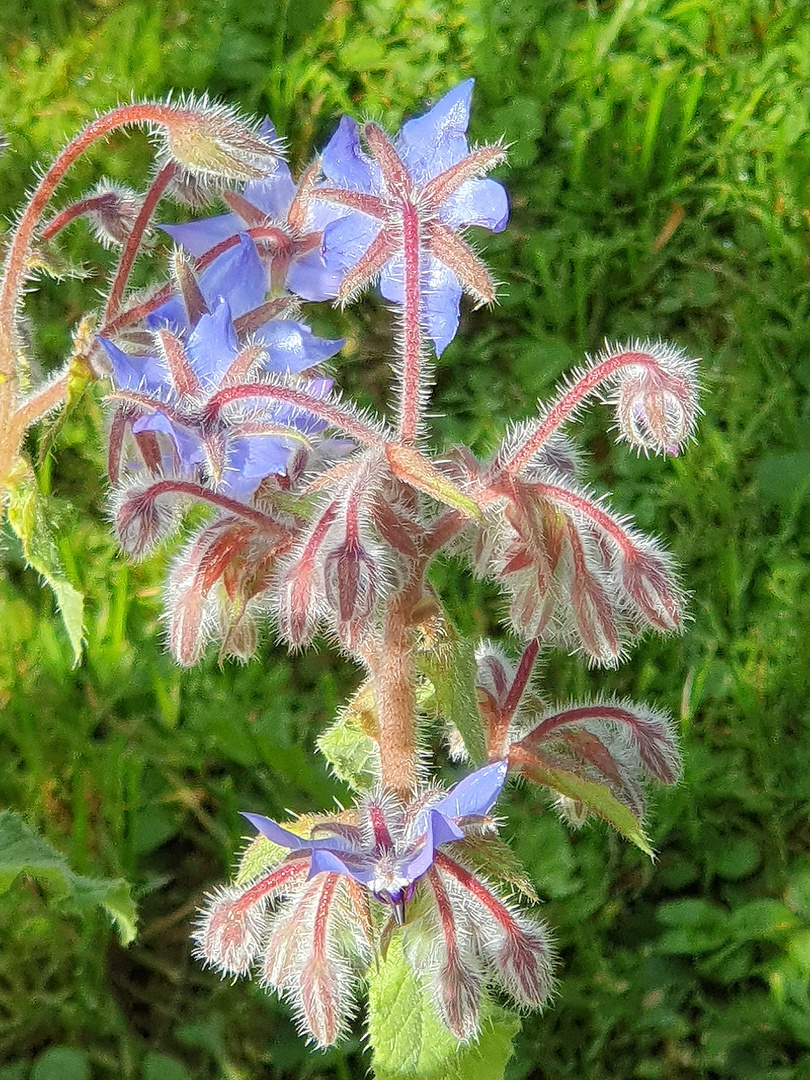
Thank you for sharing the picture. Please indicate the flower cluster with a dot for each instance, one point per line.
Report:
(312, 922)
(325, 518)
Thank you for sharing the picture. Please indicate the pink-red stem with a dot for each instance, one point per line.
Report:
(412, 348)
(567, 404)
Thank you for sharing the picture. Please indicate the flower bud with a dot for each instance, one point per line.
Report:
(143, 518)
(298, 607)
(657, 401)
(229, 931)
(213, 141)
(596, 619)
(111, 210)
(196, 192)
(350, 587)
(650, 584)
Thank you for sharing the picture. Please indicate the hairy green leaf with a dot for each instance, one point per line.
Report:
(35, 520)
(595, 797)
(449, 665)
(23, 851)
(411, 1043)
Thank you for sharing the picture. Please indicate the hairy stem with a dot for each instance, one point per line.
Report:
(521, 679)
(15, 265)
(133, 244)
(567, 404)
(333, 414)
(392, 674)
(412, 346)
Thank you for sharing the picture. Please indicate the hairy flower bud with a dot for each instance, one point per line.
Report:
(650, 583)
(350, 577)
(214, 141)
(111, 210)
(143, 517)
(657, 400)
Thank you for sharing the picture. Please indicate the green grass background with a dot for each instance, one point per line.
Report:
(624, 117)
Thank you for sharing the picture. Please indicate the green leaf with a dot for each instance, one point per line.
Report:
(491, 856)
(162, 1067)
(80, 375)
(258, 857)
(449, 665)
(35, 520)
(595, 797)
(349, 744)
(695, 926)
(763, 919)
(17, 1071)
(23, 851)
(354, 757)
(411, 1043)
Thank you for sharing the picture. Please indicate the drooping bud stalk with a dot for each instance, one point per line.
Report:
(654, 388)
(111, 210)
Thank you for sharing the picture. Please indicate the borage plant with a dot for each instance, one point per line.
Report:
(326, 519)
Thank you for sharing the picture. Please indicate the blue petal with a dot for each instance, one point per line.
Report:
(441, 294)
(475, 795)
(327, 861)
(147, 374)
(273, 195)
(277, 834)
(212, 346)
(311, 279)
(440, 313)
(439, 830)
(344, 163)
(251, 458)
(346, 239)
(237, 276)
(190, 451)
(292, 346)
(477, 202)
(432, 143)
(197, 237)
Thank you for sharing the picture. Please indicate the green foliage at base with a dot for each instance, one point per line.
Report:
(411, 1043)
(22, 851)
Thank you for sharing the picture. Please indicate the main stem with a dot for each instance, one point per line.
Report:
(412, 346)
(395, 697)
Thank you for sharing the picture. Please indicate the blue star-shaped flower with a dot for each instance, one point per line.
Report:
(393, 848)
(429, 168)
